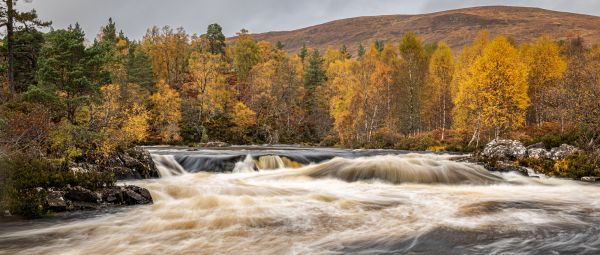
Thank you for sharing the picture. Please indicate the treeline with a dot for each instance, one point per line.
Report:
(73, 100)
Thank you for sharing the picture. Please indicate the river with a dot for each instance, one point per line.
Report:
(294, 200)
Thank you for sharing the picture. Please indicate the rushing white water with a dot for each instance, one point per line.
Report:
(167, 166)
(416, 204)
(244, 166)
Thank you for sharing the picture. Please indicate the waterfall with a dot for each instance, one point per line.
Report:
(167, 165)
(244, 166)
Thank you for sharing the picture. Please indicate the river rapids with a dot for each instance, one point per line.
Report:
(293, 201)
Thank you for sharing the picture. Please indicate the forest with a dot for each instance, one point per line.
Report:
(66, 99)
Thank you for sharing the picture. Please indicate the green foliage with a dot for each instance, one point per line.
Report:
(22, 176)
(303, 53)
(575, 166)
(139, 67)
(245, 54)
(27, 45)
(361, 51)
(216, 39)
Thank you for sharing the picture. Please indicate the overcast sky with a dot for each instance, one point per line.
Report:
(135, 16)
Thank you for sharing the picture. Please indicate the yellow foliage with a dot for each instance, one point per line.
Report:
(243, 116)
(496, 88)
(166, 112)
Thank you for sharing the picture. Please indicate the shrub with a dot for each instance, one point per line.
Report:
(25, 179)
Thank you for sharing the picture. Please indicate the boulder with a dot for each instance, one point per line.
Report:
(56, 200)
(537, 153)
(133, 195)
(80, 194)
(506, 166)
(590, 179)
(563, 151)
(113, 195)
(504, 149)
(539, 145)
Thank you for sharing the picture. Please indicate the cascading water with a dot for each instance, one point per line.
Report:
(167, 165)
(370, 204)
(245, 166)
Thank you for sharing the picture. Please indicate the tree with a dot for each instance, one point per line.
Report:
(245, 52)
(546, 69)
(27, 45)
(344, 52)
(11, 18)
(466, 114)
(501, 80)
(438, 101)
(361, 51)
(379, 45)
(280, 45)
(139, 67)
(414, 73)
(166, 112)
(314, 77)
(216, 39)
(168, 49)
(303, 53)
(67, 69)
(208, 84)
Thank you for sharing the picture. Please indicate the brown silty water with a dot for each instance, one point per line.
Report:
(375, 204)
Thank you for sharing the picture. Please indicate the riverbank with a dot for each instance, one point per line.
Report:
(37, 187)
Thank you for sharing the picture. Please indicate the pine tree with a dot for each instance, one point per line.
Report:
(11, 18)
(361, 50)
(216, 39)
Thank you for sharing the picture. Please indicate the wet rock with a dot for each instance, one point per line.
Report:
(56, 200)
(133, 195)
(113, 195)
(80, 194)
(563, 151)
(504, 149)
(590, 179)
(213, 144)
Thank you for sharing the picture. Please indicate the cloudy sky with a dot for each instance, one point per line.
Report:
(135, 16)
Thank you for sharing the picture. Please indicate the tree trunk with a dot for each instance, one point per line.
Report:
(10, 45)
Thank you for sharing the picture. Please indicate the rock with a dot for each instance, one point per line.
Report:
(124, 173)
(507, 166)
(539, 145)
(79, 194)
(213, 144)
(537, 153)
(590, 179)
(7, 213)
(504, 149)
(133, 195)
(56, 200)
(563, 151)
(113, 195)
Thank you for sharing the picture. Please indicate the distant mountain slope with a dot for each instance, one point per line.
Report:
(456, 27)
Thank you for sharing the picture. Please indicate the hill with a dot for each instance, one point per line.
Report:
(456, 27)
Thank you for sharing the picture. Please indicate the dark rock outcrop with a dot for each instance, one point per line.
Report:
(80, 194)
(135, 163)
(79, 198)
(56, 200)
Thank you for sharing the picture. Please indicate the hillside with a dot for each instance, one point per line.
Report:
(456, 27)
